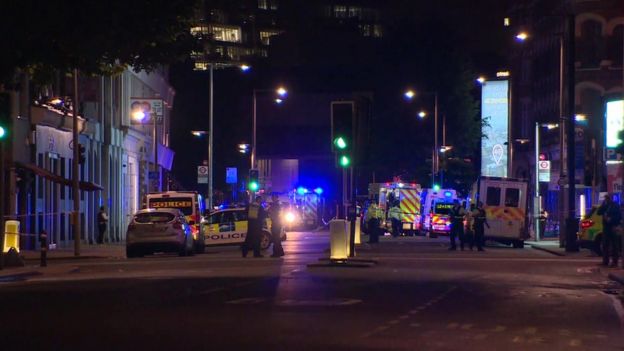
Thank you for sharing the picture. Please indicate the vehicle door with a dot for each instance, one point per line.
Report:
(221, 227)
(240, 224)
(513, 211)
(491, 196)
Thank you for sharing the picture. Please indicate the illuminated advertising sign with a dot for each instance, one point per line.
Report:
(614, 122)
(495, 115)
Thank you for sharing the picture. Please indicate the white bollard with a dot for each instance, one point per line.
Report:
(338, 239)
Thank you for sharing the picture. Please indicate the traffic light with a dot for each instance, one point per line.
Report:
(5, 115)
(254, 183)
(342, 121)
(81, 154)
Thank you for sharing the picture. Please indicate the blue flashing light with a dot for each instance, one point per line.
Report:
(302, 191)
(318, 191)
(448, 194)
(401, 185)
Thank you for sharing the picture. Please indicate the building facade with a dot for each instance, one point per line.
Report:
(118, 154)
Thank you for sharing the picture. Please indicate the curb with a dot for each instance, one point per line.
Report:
(18, 276)
(617, 278)
(545, 249)
(79, 258)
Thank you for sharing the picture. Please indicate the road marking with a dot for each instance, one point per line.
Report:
(575, 343)
(466, 327)
(517, 339)
(319, 303)
(530, 330)
(210, 291)
(500, 328)
(246, 301)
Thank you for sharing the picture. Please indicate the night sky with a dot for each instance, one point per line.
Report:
(426, 45)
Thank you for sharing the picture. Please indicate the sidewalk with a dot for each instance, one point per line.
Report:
(31, 260)
(552, 247)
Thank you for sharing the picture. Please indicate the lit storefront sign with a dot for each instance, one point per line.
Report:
(495, 114)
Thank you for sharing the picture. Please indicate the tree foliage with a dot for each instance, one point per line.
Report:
(96, 37)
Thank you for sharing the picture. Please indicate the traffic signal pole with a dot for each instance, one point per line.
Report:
(75, 171)
(571, 220)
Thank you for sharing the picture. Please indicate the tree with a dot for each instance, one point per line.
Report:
(95, 37)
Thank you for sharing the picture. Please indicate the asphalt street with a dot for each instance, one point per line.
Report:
(418, 297)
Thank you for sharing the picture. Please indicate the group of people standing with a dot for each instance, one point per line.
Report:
(468, 226)
(256, 217)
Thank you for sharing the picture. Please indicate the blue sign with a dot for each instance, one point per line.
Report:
(495, 117)
(231, 175)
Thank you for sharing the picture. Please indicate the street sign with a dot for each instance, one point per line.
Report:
(231, 175)
(543, 168)
(202, 175)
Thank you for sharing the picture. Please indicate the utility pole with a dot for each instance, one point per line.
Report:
(571, 220)
(75, 171)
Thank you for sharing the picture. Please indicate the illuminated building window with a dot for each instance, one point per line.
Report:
(340, 11)
(230, 34)
(355, 12)
(377, 32)
(265, 36)
(199, 30)
(274, 5)
(263, 4)
(365, 29)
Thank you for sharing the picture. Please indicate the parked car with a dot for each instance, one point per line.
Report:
(590, 231)
(159, 230)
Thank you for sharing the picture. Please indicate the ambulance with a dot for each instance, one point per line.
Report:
(505, 203)
(190, 203)
(408, 195)
(436, 210)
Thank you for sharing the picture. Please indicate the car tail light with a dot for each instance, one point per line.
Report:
(586, 223)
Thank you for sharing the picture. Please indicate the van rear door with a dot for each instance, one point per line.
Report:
(492, 205)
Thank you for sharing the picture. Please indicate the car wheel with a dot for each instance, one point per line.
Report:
(518, 244)
(597, 246)
(265, 240)
(199, 246)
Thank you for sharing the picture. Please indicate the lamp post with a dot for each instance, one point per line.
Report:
(281, 93)
(410, 95)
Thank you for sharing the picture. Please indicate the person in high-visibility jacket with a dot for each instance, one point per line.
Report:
(395, 217)
(373, 218)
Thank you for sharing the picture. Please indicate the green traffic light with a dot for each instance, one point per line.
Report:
(254, 186)
(2, 132)
(340, 143)
(436, 187)
(344, 161)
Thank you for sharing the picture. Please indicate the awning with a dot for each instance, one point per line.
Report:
(85, 186)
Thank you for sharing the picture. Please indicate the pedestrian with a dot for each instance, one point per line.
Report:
(102, 220)
(275, 213)
(469, 234)
(395, 218)
(372, 221)
(479, 223)
(256, 216)
(457, 225)
(611, 218)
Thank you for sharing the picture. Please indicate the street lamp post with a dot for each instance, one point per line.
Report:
(410, 94)
(537, 203)
(281, 92)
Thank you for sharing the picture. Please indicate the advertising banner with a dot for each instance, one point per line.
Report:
(614, 123)
(495, 115)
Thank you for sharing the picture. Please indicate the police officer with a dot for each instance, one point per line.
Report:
(372, 221)
(457, 225)
(256, 217)
(611, 218)
(479, 223)
(395, 217)
(275, 213)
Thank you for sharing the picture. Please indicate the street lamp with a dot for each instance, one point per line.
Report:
(140, 115)
(410, 95)
(281, 93)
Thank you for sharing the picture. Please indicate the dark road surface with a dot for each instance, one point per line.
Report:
(419, 297)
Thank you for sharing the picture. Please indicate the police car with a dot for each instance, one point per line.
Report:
(229, 227)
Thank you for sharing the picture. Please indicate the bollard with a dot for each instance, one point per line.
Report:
(43, 240)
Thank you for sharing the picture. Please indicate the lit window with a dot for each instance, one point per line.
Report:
(230, 34)
(365, 29)
(274, 5)
(377, 32)
(263, 4)
(265, 36)
(340, 11)
(199, 30)
(355, 12)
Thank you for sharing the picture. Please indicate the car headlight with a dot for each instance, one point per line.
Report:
(289, 217)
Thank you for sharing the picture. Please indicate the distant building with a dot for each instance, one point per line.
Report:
(599, 78)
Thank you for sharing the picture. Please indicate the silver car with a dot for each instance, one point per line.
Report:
(159, 230)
